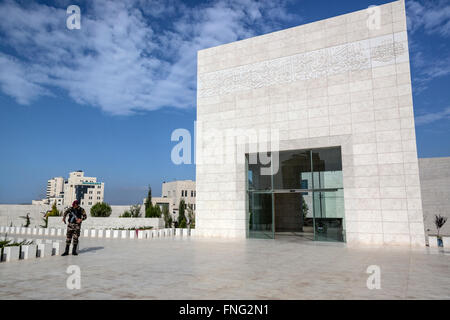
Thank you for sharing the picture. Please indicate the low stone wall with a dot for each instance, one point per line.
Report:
(435, 188)
(12, 213)
(111, 222)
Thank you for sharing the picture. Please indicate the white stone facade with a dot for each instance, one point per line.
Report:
(334, 82)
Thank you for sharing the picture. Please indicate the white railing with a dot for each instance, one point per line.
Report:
(47, 247)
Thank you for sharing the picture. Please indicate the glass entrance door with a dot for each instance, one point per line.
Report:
(303, 195)
(329, 216)
(293, 213)
(260, 221)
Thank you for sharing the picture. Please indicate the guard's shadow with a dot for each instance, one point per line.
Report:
(90, 249)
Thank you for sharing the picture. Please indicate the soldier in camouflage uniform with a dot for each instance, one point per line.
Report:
(76, 216)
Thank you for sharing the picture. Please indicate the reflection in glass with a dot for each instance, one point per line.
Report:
(327, 168)
(329, 215)
(294, 170)
(256, 180)
(260, 215)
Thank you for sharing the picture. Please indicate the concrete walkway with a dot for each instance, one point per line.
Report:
(194, 268)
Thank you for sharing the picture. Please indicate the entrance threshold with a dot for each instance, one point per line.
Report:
(297, 235)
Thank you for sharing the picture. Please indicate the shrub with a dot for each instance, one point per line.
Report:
(27, 220)
(9, 243)
(51, 213)
(126, 214)
(134, 212)
(54, 212)
(101, 209)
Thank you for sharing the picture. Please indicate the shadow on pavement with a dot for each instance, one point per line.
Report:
(93, 249)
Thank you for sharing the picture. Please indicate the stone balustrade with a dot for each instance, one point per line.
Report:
(39, 249)
(48, 247)
(100, 233)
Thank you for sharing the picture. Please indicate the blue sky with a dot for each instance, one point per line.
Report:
(106, 98)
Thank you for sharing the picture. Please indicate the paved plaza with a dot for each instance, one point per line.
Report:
(195, 268)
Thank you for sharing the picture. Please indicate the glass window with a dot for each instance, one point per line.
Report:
(327, 168)
(329, 215)
(294, 170)
(257, 178)
(305, 195)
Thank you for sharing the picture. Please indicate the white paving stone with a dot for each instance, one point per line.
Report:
(225, 269)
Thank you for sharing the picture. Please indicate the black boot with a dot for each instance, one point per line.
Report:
(74, 250)
(66, 252)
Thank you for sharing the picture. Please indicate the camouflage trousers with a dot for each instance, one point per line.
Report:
(73, 231)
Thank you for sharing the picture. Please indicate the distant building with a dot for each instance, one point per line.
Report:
(77, 187)
(84, 189)
(55, 191)
(55, 187)
(173, 192)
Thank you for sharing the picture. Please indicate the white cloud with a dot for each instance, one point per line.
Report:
(128, 56)
(432, 19)
(14, 81)
(432, 117)
(431, 16)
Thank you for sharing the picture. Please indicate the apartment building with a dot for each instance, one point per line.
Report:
(84, 189)
(77, 187)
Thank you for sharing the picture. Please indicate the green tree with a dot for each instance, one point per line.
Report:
(167, 217)
(153, 211)
(148, 201)
(181, 215)
(191, 217)
(101, 209)
(157, 211)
